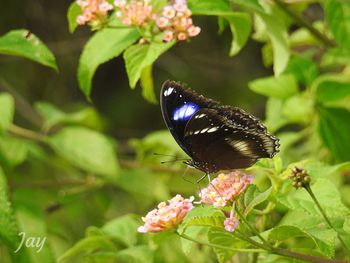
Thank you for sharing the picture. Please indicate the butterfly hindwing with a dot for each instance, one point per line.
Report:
(217, 144)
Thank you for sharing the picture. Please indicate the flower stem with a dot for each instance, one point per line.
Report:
(311, 193)
(286, 252)
(304, 23)
(26, 134)
(252, 228)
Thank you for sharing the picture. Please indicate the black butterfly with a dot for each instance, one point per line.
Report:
(216, 137)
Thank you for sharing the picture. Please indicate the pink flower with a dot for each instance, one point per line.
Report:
(178, 20)
(225, 188)
(93, 11)
(136, 12)
(193, 31)
(119, 3)
(162, 22)
(168, 36)
(166, 216)
(181, 36)
(169, 12)
(180, 7)
(231, 223)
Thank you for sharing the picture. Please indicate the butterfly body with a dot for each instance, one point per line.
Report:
(216, 137)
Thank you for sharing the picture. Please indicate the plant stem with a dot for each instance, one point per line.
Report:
(292, 254)
(304, 23)
(252, 228)
(311, 193)
(26, 134)
(218, 246)
(288, 253)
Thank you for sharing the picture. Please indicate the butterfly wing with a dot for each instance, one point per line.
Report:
(219, 143)
(178, 105)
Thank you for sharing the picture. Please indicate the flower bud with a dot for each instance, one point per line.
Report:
(300, 177)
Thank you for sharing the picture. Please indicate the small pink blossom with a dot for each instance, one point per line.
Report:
(194, 31)
(231, 223)
(225, 188)
(162, 22)
(168, 36)
(169, 12)
(166, 216)
(180, 7)
(181, 36)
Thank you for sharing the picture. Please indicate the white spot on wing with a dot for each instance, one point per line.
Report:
(213, 129)
(168, 91)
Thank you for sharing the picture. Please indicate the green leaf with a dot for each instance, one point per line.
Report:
(8, 227)
(23, 43)
(254, 5)
(224, 238)
(335, 56)
(140, 56)
(158, 141)
(86, 116)
(326, 193)
(204, 216)
(188, 246)
(334, 127)
(282, 87)
(86, 246)
(12, 150)
(147, 84)
(208, 7)
(74, 11)
(277, 33)
(123, 229)
(137, 254)
(346, 225)
(143, 182)
(274, 119)
(298, 109)
(102, 47)
(240, 25)
(32, 223)
(335, 11)
(303, 68)
(332, 87)
(322, 239)
(87, 149)
(258, 198)
(7, 111)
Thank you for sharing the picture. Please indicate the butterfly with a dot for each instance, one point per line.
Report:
(216, 137)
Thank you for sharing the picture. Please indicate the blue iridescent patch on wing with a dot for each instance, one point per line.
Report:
(185, 111)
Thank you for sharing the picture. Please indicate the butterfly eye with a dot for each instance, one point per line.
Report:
(185, 112)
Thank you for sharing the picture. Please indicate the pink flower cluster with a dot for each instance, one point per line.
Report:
(133, 13)
(93, 10)
(176, 22)
(225, 188)
(166, 216)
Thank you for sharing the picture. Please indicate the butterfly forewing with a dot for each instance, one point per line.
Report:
(217, 144)
(178, 105)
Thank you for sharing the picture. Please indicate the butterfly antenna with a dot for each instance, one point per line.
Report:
(161, 154)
